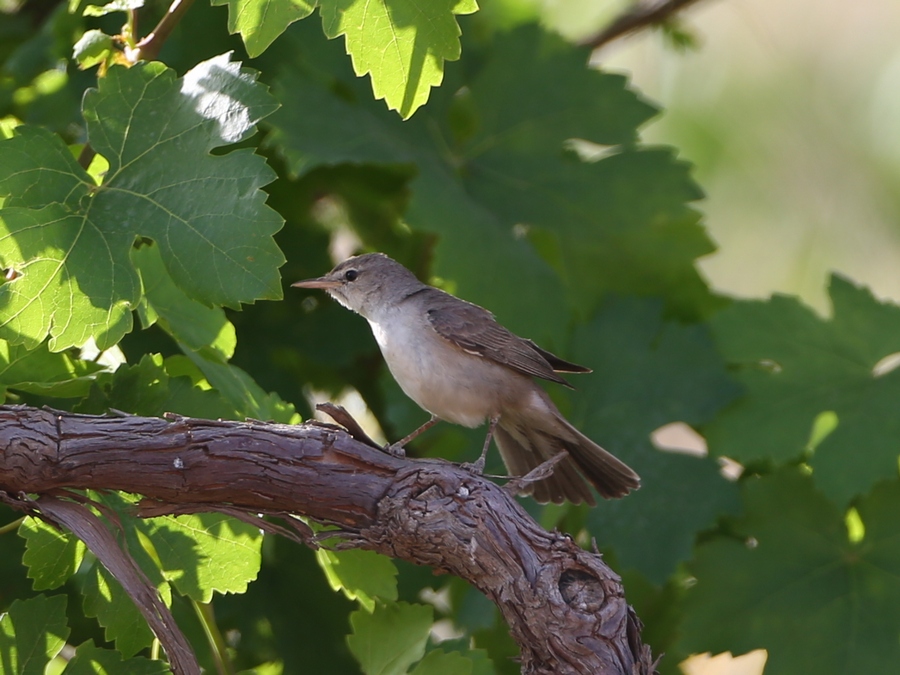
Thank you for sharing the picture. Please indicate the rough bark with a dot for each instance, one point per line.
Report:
(565, 607)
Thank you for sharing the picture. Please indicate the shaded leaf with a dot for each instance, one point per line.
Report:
(32, 633)
(91, 660)
(647, 373)
(390, 639)
(795, 366)
(206, 552)
(797, 586)
(361, 575)
(439, 662)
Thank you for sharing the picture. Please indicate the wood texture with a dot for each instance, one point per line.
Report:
(564, 606)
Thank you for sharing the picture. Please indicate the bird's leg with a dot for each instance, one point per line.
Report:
(478, 467)
(398, 449)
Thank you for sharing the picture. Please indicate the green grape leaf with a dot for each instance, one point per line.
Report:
(104, 599)
(206, 552)
(439, 662)
(361, 575)
(797, 586)
(402, 44)
(69, 239)
(103, 596)
(187, 320)
(92, 48)
(796, 366)
(239, 389)
(115, 6)
(40, 371)
(51, 556)
(32, 632)
(155, 386)
(390, 639)
(91, 660)
(519, 218)
(261, 21)
(649, 373)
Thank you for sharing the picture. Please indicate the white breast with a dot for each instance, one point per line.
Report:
(447, 382)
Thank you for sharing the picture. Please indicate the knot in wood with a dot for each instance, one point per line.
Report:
(581, 590)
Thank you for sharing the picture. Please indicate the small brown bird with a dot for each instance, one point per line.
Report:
(454, 360)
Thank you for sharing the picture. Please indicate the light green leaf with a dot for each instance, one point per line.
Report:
(69, 239)
(114, 6)
(91, 660)
(32, 633)
(390, 639)
(796, 366)
(439, 662)
(51, 556)
(261, 21)
(104, 599)
(92, 48)
(185, 319)
(239, 389)
(402, 44)
(206, 552)
(103, 596)
(361, 575)
(40, 371)
(797, 586)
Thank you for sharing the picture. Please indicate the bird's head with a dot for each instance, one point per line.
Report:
(366, 283)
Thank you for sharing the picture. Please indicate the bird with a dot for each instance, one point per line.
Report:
(458, 363)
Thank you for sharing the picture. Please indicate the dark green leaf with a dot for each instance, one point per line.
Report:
(648, 373)
(797, 586)
(797, 366)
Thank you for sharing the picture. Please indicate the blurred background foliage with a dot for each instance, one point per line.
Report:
(780, 117)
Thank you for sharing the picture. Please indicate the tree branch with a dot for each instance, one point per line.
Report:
(641, 16)
(149, 47)
(564, 606)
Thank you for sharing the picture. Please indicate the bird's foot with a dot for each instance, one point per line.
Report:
(395, 450)
(476, 468)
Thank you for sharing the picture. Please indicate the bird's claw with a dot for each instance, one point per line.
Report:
(476, 468)
(395, 450)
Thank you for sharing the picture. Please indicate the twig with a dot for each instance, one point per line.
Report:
(637, 18)
(149, 48)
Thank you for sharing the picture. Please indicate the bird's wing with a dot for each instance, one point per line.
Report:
(474, 330)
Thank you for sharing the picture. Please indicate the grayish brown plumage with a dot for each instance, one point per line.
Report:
(454, 360)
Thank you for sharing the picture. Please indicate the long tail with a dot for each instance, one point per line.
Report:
(525, 441)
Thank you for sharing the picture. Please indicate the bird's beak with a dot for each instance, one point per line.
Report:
(319, 282)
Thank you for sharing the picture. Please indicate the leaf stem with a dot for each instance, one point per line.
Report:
(149, 47)
(13, 526)
(216, 642)
(642, 15)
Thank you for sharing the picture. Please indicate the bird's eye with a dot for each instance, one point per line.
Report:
(351, 275)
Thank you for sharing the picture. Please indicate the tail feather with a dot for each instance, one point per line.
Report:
(521, 456)
(528, 440)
